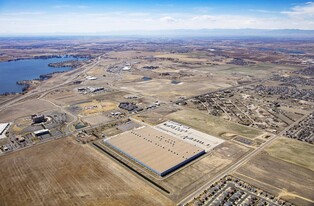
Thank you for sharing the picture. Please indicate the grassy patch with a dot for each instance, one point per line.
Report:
(293, 151)
(212, 125)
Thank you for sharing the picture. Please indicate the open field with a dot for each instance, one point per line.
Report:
(284, 168)
(260, 70)
(24, 109)
(293, 151)
(96, 107)
(165, 90)
(237, 90)
(96, 119)
(212, 125)
(65, 97)
(182, 57)
(197, 174)
(155, 116)
(64, 172)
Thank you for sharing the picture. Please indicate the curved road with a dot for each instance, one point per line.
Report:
(44, 92)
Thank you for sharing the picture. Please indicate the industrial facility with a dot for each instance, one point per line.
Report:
(41, 132)
(190, 135)
(3, 127)
(38, 118)
(155, 150)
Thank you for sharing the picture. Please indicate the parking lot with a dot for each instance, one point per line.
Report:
(189, 135)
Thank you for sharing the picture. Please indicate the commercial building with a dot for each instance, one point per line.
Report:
(41, 132)
(190, 135)
(3, 127)
(155, 150)
(38, 118)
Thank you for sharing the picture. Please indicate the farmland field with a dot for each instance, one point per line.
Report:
(64, 172)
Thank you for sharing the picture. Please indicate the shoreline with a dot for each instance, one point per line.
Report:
(29, 84)
(48, 57)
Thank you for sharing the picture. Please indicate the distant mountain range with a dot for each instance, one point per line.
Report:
(283, 33)
(217, 33)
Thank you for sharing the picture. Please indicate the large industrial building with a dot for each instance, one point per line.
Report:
(155, 150)
(190, 135)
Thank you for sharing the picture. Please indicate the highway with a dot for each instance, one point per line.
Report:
(40, 94)
(44, 92)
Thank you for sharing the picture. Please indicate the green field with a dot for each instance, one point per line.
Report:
(212, 125)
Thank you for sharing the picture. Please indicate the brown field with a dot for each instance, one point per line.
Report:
(96, 107)
(130, 54)
(284, 168)
(96, 119)
(165, 90)
(65, 97)
(155, 116)
(64, 172)
(293, 151)
(198, 173)
(4, 99)
(195, 174)
(182, 57)
(24, 109)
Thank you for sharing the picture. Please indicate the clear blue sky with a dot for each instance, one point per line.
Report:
(88, 16)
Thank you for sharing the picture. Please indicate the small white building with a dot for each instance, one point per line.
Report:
(41, 132)
(126, 68)
(3, 127)
(91, 78)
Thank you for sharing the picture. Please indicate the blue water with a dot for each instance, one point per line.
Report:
(11, 72)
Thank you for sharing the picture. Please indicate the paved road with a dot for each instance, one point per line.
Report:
(44, 92)
(69, 128)
(87, 67)
(236, 165)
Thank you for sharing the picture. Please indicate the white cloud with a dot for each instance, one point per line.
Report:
(137, 14)
(62, 6)
(168, 19)
(301, 11)
(262, 11)
(203, 18)
(85, 21)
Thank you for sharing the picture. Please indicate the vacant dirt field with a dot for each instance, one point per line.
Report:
(65, 96)
(96, 107)
(64, 172)
(198, 173)
(24, 109)
(165, 90)
(290, 181)
(293, 151)
(97, 119)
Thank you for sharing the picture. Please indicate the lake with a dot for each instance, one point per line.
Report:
(13, 71)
